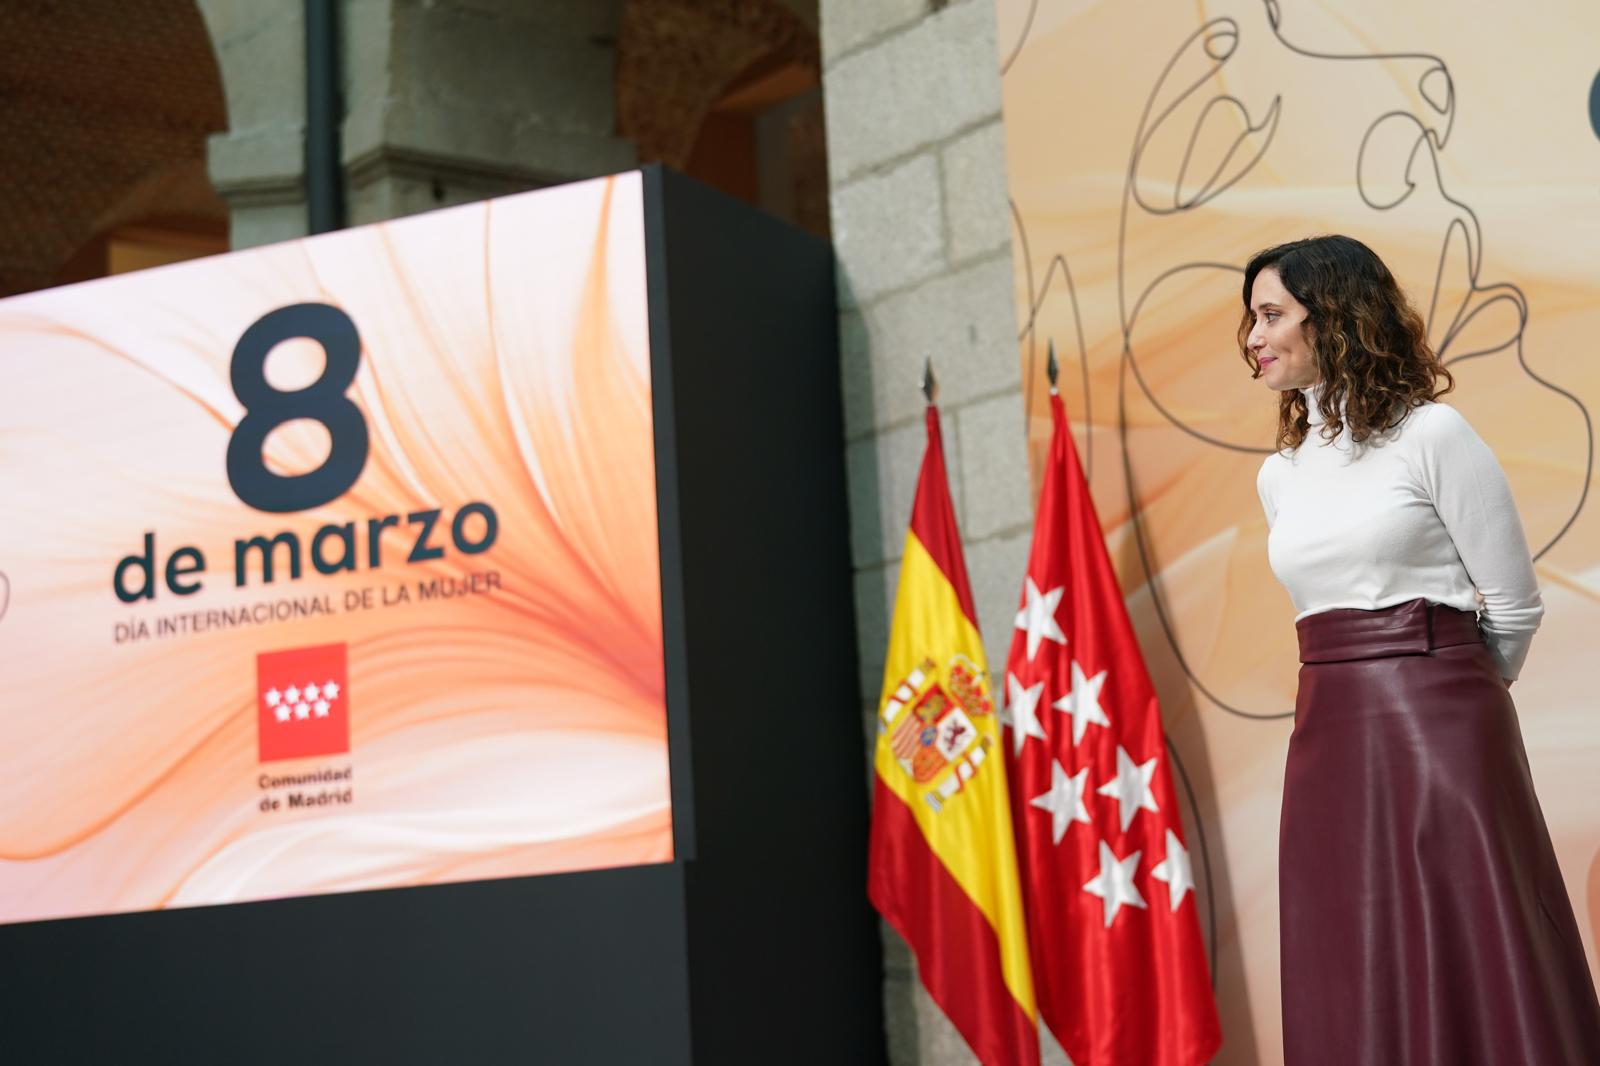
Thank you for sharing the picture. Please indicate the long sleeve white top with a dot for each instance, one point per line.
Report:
(1422, 511)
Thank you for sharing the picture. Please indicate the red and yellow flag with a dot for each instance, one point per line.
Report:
(942, 868)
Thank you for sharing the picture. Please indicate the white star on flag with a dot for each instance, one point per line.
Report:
(322, 708)
(311, 694)
(1064, 801)
(282, 712)
(302, 711)
(1131, 787)
(1115, 884)
(293, 695)
(274, 697)
(1038, 617)
(1083, 702)
(1021, 712)
(331, 690)
(1174, 870)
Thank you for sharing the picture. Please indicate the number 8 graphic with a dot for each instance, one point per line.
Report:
(324, 401)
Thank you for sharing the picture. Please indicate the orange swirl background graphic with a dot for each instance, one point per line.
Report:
(512, 730)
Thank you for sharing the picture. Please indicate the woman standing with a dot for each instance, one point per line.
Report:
(1423, 918)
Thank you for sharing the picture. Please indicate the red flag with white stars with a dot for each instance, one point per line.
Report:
(1119, 964)
(302, 702)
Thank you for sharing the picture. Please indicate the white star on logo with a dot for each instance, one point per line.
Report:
(1064, 801)
(322, 708)
(1083, 702)
(293, 695)
(1115, 883)
(1021, 712)
(1038, 617)
(331, 690)
(301, 710)
(1174, 870)
(1131, 787)
(282, 712)
(311, 694)
(274, 697)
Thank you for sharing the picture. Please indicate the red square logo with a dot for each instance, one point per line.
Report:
(302, 703)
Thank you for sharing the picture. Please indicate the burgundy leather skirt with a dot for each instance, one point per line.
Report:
(1424, 919)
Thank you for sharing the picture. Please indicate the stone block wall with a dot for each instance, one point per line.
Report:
(258, 164)
(922, 230)
(445, 102)
(453, 101)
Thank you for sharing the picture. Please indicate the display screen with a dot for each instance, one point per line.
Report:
(333, 565)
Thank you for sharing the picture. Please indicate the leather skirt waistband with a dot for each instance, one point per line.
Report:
(1415, 627)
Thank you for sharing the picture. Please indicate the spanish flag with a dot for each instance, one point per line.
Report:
(943, 868)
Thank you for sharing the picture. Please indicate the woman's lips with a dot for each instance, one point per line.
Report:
(1266, 361)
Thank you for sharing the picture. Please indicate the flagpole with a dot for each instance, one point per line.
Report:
(1107, 882)
(942, 864)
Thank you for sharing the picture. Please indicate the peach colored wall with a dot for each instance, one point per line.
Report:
(1152, 147)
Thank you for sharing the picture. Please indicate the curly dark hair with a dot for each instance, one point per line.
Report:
(1369, 343)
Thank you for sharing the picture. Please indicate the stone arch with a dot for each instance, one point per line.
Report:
(458, 100)
(108, 104)
(729, 92)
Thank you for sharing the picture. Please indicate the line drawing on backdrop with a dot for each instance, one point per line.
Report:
(1459, 258)
(1395, 164)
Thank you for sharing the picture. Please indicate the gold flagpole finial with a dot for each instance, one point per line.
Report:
(930, 384)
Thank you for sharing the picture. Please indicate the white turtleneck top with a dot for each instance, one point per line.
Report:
(1422, 511)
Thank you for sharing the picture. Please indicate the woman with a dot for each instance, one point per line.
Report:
(1423, 917)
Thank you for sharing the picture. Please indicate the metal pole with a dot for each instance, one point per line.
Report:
(324, 175)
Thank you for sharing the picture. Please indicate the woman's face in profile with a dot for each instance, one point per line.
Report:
(1278, 339)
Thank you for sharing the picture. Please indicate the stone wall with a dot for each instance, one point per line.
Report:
(445, 102)
(922, 230)
(258, 163)
(453, 101)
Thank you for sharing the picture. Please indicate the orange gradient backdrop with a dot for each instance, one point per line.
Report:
(518, 730)
(1151, 148)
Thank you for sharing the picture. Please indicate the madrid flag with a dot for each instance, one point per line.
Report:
(942, 868)
(1106, 875)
